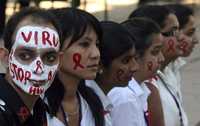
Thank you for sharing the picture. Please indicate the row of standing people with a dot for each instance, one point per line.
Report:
(65, 68)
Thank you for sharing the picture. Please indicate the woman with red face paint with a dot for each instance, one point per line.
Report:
(130, 102)
(118, 63)
(161, 87)
(186, 20)
(71, 102)
(32, 42)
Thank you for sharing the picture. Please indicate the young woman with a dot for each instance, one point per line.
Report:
(172, 108)
(130, 102)
(186, 19)
(118, 63)
(75, 104)
(32, 42)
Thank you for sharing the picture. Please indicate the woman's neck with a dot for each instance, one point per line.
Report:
(139, 78)
(70, 102)
(70, 84)
(29, 100)
(166, 62)
(104, 83)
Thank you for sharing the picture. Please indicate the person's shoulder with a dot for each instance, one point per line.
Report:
(119, 95)
(117, 91)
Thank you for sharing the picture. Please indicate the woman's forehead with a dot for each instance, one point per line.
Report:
(37, 37)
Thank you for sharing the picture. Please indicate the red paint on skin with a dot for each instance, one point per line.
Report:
(26, 38)
(55, 40)
(150, 66)
(171, 45)
(38, 63)
(46, 38)
(120, 72)
(77, 61)
(183, 46)
(50, 75)
(27, 75)
(19, 73)
(36, 90)
(36, 38)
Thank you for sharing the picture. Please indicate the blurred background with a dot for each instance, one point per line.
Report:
(119, 10)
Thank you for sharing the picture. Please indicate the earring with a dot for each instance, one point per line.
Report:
(100, 71)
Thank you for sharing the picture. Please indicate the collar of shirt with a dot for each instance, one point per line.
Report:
(170, 74)
(15, 103)
(104, 99)
(141, 91)
(177, 64)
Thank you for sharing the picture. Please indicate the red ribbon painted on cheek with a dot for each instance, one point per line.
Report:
(38, 63)
(171, 45)
(119, 74)
(77, 60)
(150, 65)
(184, 46)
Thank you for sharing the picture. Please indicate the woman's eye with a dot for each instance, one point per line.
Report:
(84, 44)
(190, 34)
(155, 52)
(125, 61)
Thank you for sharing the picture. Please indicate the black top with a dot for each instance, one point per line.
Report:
(13, 111)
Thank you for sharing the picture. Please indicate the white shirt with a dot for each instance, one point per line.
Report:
(172, 72)
(104, 99)
(171, 77)
(129, 103)
(86, 120)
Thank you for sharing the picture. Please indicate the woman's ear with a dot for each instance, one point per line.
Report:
(61, 53)
(4, 54)
(101, 68)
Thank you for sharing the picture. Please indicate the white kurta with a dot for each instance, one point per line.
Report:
(104, 99)
(171, 77)
(129, 104)
(86, 120)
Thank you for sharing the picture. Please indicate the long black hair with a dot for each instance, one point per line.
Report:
(182, 13)
(157, 13)
(142, 29)
(36, 15)
(74, 23)
(115, 42)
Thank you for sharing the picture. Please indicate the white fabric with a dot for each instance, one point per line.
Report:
(173, 74)
(104, 99)
(171, 77)
(129, 104)
(86, 120)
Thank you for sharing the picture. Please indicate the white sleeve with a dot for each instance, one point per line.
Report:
(124, 114)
